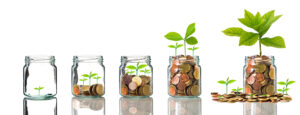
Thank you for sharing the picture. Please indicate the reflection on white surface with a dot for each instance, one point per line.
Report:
(136, 106)
(184, 106)
(260, 108)
(88, 106)
(40, 107)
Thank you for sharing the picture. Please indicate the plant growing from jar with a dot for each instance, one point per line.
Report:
(285, 85)
(145, 71)
(129, 71)
(193, 49)
(137, 67)
(226, 83)
(39, 89)
(97, 78)
(83, 80)
(90, 76)
(176, 46)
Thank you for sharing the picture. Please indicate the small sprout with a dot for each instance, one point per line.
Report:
(146, 71)
(176, 46)
(252, 95)
(220, 96)
(129, 72)
(39, 89)
(227, 82)
(90, 75)
(237, 89)
(83, 80)
(193, 49)
(286, 84)
(137, 67)
(97, 78)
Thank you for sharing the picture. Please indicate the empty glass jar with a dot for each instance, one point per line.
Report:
(136, 76)
(88, 76)
(39, 77)
(184, 76)
(40, 107)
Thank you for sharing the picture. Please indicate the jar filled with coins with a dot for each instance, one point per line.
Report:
(88, 76)
(260, 75)
(39, 77)
(136, 75)
(184, 76)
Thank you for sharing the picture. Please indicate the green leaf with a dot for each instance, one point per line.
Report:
(277, 42)
(142, 66)
(248, 39)
(267, 21)
(279, 89)
(221, 82)
(234, 90)
(249, 19)
(190, 30)
(41, 88)
(281, 83)
(174, 36)
(36, 88)
(231, 81)
(234, 31)
(180, 45)
(142, 71)
(190, 48)
(94, 74)
(196, 48)
(240, 89)
(286, 89)
(191, 41)
(131, 67)
(85, 75)
(171, 46)
(290, 82)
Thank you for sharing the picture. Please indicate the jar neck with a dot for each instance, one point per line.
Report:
(259, 59)
(40, 59)
(88, 59)
(177, 60)
(135, 59)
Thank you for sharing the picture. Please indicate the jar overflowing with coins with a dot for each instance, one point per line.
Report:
(88, 75)
(184, 76)
(39, 77)
(260, 75)
(136, 76)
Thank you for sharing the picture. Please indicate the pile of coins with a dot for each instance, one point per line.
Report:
(184, 77)
(260, 76)
(242, 97)
(132, 85)
(88, 90)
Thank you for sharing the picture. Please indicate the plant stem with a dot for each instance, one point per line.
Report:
(184, 47)
(89, 81)
(175, 52)
(82, 82)
(226, 88)
(39, 90)
(260, 52)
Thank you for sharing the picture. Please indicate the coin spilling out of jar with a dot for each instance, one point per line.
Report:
(132, 85)
(88, 90)
(260, 76)
(184, 77)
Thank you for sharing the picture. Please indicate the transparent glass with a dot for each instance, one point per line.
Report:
(184, 76)
(88, 106)
(39, 77)
(40, 107)
(260, 108)
(136, 106)
(88, 76)
(184, 106)
(260, 75)
(136, 76)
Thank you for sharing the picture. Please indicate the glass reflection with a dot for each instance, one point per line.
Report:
(136, 106)
(184, 106)
(40, 107)
(88, 106)
(260, 108)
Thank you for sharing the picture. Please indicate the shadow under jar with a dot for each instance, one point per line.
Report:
(88, 76)
(184, 76)
(39, 77)
(136, 76)
(260, 75)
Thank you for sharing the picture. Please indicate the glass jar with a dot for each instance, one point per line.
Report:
(136, 106)
(40, 107)
(88, 106)
(260, 75)
(88, 76)
(184, 76)
(184, 106)
(136, 76)
(39, 77)
(260, 108)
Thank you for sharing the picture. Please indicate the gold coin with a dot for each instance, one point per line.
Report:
(260, 68)
(195, 90)
(91, 90)
(185, 68)
(137, 80)
(196, 73)
(270, 89)
(100, 89)
(272, 72)
(189, 82)
(146, 90)
(132, 86)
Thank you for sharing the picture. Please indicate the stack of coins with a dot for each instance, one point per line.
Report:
(184, 77)
(260, 76)
(88, 90)
(132, 85)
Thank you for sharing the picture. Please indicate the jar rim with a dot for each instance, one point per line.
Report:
(88, 58)
(135, 58)
(39, 58)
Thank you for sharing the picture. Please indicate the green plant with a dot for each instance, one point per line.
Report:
(176, 46)
(129, 72)
(39, 89)
(90, 75)
(97, 78)
(227, 82)
(285, 89)
(188, 39)
(237, 89)
(261, 24)
(137, 67)
(146, 71)
(83, 80)
(193, 49)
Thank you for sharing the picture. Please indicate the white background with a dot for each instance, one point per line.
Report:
(137, 27)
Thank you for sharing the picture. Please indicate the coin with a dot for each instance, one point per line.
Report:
(172, 90)
(137, 80)
(100, 89)
(196, 73)
(272, 72)
(145, 80)
(195, 90)
(260, 68)
(91, 90)
(251, 79)
(185, 68)
(127, 79)
(146, 90)
(189, 82)
(270, 89)
(175, 61)
(175, 80)
(191, 76)
(76, 90)
(259, 77)
(264, 82)
(256, 85)
(181, 85)
(248, 89)
(249, 69)
(184, 77)
(132, 86)
(174, 68)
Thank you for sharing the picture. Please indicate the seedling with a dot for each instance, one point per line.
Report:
(227, 82)
(137, 67)
(188, 39)
(97, 78)
(83, 80)
(90, 75)
(39, 89)
(261, 24)
(285, 89)
(193, 49)
(129, 72)
(146, 71)
(237, 89)
(176, 46)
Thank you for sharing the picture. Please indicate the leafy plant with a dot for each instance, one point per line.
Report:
(237, 89)
(227, 82)
(285, 89)
(188, 39)
(193, 49)
(39, 89)
(97, 78)
(261, 24)
(137, 67)
(90, 75)
(146, 71)
(129, 72)
(83, 80)
(176, 46)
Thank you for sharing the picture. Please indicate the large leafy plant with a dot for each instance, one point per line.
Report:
(260, 24)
